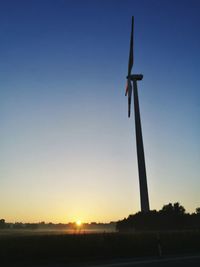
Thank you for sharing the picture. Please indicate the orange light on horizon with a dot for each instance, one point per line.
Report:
(78, 223)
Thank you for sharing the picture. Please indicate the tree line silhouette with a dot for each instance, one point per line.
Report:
(170, 217)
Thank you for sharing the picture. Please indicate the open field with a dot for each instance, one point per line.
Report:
(36, 247)
(21, 232)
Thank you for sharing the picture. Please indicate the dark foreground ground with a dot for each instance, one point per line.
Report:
(105, 249)
(189, 261)
(186, 261)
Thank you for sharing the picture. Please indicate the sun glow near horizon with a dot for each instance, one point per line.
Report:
(79, 223)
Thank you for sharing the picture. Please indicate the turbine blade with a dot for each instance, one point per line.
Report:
(126, 92)
(129, 97)
(129, 107)
(131, 59)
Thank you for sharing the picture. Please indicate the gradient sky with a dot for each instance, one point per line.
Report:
(67, 146)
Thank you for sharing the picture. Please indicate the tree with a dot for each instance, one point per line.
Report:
(168, 209)
(178, 209)
(198, 210)
(175, 209)
(2, 223)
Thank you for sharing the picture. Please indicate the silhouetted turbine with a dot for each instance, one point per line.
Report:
(132, 79)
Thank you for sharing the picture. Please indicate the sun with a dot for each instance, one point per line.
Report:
(79, 223)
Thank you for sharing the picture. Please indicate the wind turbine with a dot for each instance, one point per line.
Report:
(132, 87)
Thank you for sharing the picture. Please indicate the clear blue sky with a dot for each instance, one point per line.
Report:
(67, 146)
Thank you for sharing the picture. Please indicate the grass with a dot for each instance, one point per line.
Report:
(60, 247)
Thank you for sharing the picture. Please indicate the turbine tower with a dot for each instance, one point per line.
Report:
(132, 86)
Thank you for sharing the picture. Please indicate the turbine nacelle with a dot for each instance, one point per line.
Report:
(135, 77)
